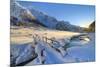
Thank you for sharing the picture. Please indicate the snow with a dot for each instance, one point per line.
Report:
(85, 52)
(82, 53)
(23, 57)
(80, 47)
(21, 53)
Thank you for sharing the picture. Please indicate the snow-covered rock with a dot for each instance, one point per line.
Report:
(22, 53)
(39, 49)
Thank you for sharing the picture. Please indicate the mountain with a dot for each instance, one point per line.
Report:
(50, 22)
(24, 16)
(20, 12)
(92, 26)
(19, 16)
(66, 26)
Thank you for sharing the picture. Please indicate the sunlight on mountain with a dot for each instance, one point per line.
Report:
(86, 25)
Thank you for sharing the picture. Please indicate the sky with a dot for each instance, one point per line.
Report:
(81, 15)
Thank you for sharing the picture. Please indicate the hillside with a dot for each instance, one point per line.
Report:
(91, 27)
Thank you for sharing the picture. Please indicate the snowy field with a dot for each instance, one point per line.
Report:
(31, 47)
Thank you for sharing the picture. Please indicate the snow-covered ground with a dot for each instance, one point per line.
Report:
(66, 46)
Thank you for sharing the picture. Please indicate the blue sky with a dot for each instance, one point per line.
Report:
(81, 15)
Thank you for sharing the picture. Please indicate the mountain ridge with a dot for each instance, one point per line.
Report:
(30, 15)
